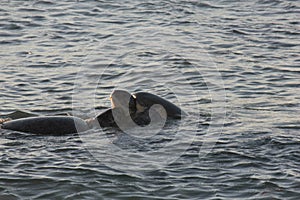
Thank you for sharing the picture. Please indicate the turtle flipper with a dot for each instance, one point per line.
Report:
(2, 120)
(146, 100)
(17, 115)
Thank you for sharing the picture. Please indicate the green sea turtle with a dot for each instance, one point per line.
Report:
(123, 106)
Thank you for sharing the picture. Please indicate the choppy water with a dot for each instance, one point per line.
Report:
(67, 56)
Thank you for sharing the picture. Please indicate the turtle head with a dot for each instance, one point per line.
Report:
(122, 100)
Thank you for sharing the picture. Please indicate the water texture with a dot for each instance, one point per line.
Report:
(233, 66)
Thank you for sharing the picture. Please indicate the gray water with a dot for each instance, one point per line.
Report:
(233, 66)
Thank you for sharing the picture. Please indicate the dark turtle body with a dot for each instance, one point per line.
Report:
(47, 125)
(137, 107)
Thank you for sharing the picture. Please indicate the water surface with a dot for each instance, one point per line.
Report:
(67, 56)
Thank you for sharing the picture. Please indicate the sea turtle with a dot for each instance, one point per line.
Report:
(123, 106)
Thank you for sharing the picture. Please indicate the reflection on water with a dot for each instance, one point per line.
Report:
(68, 56)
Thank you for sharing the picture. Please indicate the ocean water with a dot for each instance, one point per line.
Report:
(233, 66)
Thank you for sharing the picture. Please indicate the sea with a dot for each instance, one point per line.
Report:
(232, 66)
